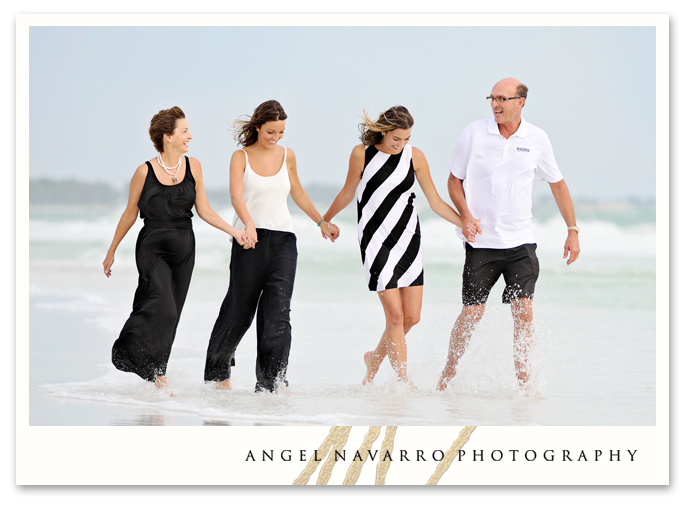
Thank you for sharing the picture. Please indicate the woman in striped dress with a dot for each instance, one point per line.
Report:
(382, 171)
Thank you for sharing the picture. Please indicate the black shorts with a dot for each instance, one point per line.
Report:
(483, 268)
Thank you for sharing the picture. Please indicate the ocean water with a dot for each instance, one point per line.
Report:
(593, 356)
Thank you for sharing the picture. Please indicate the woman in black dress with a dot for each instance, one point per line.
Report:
(164, 190)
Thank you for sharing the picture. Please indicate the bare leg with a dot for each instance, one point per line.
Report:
(458, 341)
(402, 311)
(522, 313)
(162, 384)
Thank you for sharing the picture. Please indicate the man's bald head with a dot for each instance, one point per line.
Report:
(517, 88)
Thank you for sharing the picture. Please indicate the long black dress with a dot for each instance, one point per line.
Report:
(165, 255)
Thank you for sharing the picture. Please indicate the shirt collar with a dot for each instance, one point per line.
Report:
(522, 131)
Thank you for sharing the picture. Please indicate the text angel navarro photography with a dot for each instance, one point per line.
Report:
(549, 455)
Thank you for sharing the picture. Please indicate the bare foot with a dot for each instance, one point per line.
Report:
(369, 374)
(162, 384)
(405, 381)
(411, 386)
(367, 358)
(224, 385)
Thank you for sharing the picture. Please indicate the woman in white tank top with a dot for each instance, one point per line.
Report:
(263, 269)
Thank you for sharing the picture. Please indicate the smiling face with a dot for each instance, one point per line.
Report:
(177, 142)
(270, 133)
(508, 112)
(395, 140)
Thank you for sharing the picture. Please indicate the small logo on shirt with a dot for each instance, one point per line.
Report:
(523, 149)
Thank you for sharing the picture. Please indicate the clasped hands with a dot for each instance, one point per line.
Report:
(472, 226)
(329, 231)
(246, 238)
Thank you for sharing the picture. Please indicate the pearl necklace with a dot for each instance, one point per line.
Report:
(168, 170)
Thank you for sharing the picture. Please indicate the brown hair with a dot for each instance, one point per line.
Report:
(372, 132)
(246, 129)
(163, 123)
(522, 91)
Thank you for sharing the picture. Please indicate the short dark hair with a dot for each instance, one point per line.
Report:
(163, 123)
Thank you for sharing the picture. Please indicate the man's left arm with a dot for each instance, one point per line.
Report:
(566, 207)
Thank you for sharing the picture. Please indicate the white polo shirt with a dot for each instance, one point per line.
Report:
(498, 176)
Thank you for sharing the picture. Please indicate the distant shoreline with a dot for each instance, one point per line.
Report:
(74, 193)
(71, 192)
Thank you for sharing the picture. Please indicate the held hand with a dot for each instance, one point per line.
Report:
(107, 264)
(572, 247)
(471, 228)
(250, 238)
(332, 232)
(328, 230)
(239, 235)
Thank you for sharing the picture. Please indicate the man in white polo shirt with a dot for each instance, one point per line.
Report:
(493, 168)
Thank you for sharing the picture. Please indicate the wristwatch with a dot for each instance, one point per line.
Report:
(575, 228)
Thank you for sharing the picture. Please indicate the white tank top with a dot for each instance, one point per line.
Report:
(266, 198)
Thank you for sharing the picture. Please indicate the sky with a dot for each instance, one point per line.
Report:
(93, 91)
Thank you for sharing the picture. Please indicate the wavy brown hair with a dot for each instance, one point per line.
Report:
(372, 132)
(163, 123)
(246, 129)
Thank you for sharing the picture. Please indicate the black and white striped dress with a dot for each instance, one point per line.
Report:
(388, 227)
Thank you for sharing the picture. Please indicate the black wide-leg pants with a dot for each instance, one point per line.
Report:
(165, 260)
(261, 280)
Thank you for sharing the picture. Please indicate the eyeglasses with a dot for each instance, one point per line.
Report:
(500, 99)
